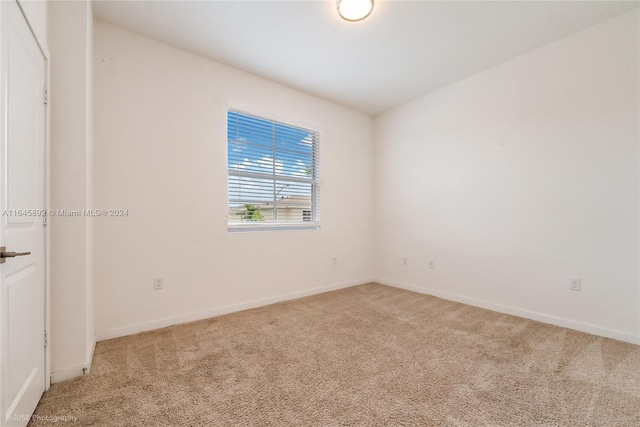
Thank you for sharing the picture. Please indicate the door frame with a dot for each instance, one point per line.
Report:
(44, 49)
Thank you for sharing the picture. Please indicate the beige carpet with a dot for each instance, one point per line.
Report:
(364, 356)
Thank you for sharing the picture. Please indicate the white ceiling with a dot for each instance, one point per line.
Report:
(404, 50)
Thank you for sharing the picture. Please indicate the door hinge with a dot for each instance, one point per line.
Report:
(45, 95)
(46, 338)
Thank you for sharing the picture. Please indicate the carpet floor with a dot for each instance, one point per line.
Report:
(369, 355)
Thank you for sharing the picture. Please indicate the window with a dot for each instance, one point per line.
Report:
(273, 174)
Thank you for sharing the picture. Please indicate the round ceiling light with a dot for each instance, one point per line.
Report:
(354, 10)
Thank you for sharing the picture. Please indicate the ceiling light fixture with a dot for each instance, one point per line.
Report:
(354, 10)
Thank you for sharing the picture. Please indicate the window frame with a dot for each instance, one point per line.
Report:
(314, 181)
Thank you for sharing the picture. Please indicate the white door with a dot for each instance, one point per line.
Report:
(22, 282)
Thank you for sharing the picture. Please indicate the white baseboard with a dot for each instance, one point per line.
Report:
(69, 373)
(219, 311)
(74, 371)
(532, 315)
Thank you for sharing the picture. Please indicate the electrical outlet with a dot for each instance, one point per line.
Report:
(405, 260)
(576, 284)
(158, 283)
(432, 264)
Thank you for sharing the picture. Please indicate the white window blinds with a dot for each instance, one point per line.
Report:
(273, 174)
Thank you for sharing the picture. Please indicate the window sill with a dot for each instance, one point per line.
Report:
(292, 226)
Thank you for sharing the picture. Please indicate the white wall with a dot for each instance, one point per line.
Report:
(72, 338)
(518, 179)
(160, 152)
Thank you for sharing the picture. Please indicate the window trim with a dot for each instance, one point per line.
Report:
(314, 224)
(272, 226)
